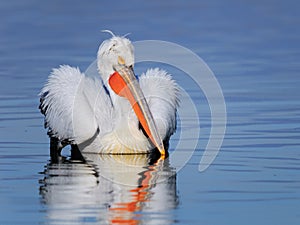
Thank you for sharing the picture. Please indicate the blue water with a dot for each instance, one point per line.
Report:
(254, 50)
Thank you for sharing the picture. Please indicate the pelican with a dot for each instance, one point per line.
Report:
(113, 113)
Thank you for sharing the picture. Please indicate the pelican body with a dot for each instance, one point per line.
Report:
(114, 113)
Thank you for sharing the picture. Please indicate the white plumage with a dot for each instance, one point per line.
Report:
(88, 112)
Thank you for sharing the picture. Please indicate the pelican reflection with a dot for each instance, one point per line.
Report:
(109, 189)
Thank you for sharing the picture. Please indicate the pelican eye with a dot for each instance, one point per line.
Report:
(121, 60)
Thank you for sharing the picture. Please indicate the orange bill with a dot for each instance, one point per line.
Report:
(124, 83)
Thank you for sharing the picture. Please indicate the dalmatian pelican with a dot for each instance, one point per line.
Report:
(114, 113)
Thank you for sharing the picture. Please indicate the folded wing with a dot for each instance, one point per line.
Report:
(162, 94)
(75, 106)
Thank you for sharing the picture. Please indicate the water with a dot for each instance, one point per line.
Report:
(253, 49)
(109, 190)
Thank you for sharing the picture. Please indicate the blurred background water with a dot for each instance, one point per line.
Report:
(253, 48)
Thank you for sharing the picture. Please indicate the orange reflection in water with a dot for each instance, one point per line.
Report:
(127, 212)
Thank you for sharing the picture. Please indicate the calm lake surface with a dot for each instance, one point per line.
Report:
(252, 47)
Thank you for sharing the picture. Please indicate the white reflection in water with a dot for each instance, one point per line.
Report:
(110, 189)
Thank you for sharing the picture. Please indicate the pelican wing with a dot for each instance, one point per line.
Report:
(76, 107)
(162, 94)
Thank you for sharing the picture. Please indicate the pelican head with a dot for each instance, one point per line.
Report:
(115, 62)
(112, 52)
